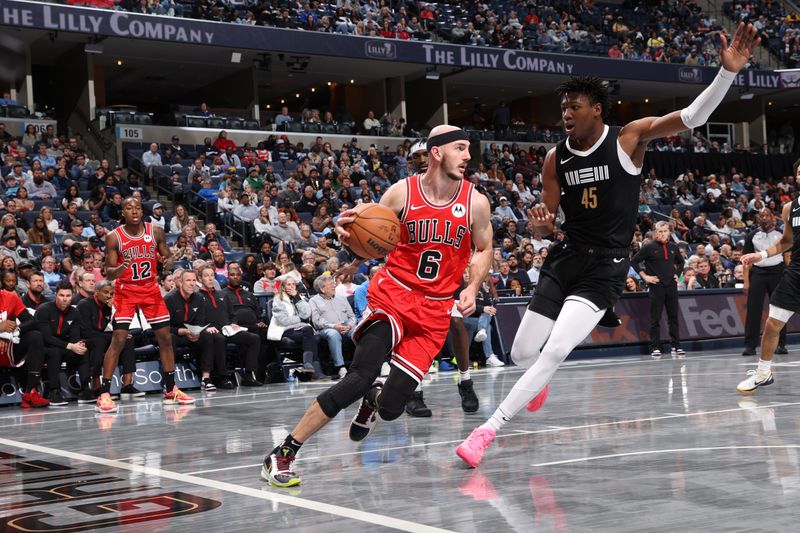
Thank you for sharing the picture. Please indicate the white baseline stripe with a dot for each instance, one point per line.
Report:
(654, 452)
(344, 512)
(515, 433)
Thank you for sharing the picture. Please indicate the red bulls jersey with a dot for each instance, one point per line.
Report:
(141, 252)
(435, 244)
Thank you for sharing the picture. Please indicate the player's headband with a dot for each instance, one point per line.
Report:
(447, 138)
(418, 146)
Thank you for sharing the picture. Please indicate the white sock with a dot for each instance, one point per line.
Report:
(764, 367)
(497, 420)
(464, 376)
(574, 323)
(419, 387)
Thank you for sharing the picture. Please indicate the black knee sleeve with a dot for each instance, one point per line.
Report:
(351, 388)
(374, 345)
(396, 392)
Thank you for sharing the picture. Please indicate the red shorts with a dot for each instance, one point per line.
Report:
(419, 323)
(129, 298)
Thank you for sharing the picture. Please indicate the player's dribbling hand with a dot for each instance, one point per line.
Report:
(735, 57)
(345, 219)
(750, 259)
(466, 303)
(540, 215)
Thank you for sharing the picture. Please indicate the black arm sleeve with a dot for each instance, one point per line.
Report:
(27, 323)
(749, 248)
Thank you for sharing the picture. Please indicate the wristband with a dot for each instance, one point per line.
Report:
(763, 254)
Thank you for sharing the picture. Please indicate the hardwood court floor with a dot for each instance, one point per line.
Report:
(622, 444)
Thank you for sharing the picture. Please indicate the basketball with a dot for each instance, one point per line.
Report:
(374, 232)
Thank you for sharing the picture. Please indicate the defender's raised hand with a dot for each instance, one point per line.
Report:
(736, 56)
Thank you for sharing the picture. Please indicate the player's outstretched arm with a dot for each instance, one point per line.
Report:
(113, 270)
(482, 254)
(543, 213)
(636, 134)
(778, 248)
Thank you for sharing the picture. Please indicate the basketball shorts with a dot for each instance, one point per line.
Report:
(787, 294)
(130, 298)
(419, 323)
(568, 274)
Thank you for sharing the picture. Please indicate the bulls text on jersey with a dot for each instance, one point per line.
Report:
(427, 230)
(142, 251)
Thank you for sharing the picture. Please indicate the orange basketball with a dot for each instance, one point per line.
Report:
(374, 232)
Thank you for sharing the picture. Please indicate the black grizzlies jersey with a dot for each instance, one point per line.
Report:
(794, 220)
(600, 198)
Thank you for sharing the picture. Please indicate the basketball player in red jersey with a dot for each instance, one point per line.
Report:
(132, 251)
(458, 331)
(409, 299)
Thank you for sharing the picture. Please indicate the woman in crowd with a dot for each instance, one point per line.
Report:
(249, 267)
(291, 315)
(24, 203)
(72, 195)
(179, 219)
(47, 215)
(322, 222)
(39, 234)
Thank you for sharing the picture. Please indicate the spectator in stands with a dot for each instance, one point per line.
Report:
(481, 320)
(151, 158)
(34, 295)
(81, 169)
(179, 219)
(290, 318)
(39, 234)
(157, 217)
(219, 313)
(39, 188)
(43, 158)
(223, 142)
(245, 211)
(283, 117)
(58, 323)
(181, 251)
(372, 126)
(10, 247)
(501, 118)
(268, 285)
(51, 277)
(516, 272)
(85, 283)
(333, 318)
(323, 252)
(230, 158)
(285, 231)
(704, 278)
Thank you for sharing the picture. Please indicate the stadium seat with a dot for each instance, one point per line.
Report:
(234, 123)
(196, 122)
(251, 124)
(215, 122)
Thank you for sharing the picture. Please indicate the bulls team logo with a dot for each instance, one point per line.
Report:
(147, 238)
(459, 210)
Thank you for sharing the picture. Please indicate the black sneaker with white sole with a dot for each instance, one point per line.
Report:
(129, 392)
(56, 399)
(367, 416)
(469, 400)
(86, 396)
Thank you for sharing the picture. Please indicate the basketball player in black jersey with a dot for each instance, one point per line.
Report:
(785, 299)
(594, 176)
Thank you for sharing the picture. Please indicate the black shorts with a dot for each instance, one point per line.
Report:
(570, 274)
(787, 294)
